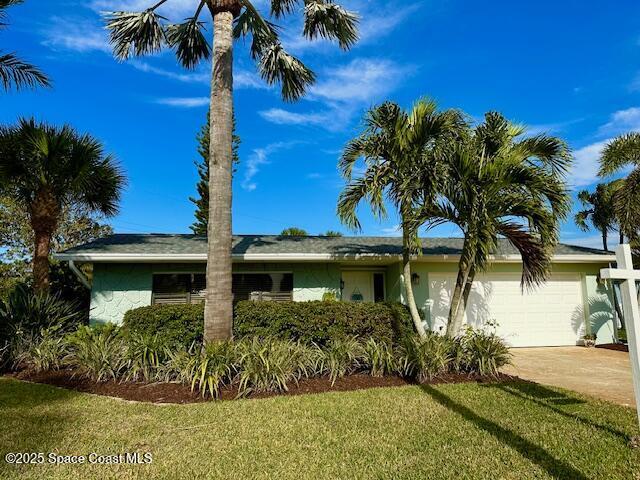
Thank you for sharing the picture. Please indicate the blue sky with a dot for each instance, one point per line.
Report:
(568, 68)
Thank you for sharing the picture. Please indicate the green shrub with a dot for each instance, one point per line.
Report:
(210, 368)
(485, 353)
(98, 354)
(268, 364)
(424, 358)
(44, 352)
(320, 322)
(146, 354)
(379, 358)
(342, 356)
(176, 325)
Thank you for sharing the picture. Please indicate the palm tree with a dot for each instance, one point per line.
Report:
(622, 152)
(13, 71)
(499, 184)
(399, 150)
(47, 168)
(140, 33)
(599, 210)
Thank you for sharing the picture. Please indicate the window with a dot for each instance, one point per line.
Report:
(190, 287)
(378, 287)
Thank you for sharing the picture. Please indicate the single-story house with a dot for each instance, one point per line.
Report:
(131, 270)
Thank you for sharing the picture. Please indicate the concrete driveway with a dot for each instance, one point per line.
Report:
(599, 372)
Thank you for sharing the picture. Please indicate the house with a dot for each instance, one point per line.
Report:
(134, 270)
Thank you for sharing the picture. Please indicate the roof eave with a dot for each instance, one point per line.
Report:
(306, 257)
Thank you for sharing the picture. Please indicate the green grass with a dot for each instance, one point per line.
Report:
(465, 431)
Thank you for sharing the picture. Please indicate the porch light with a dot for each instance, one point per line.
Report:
(415, 279)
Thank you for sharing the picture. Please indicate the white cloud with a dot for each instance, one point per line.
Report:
(622, 121)
(344, 90)
(591, 241)
(76, 35)
(586, 164)
(258, 158)
(172, 8)
(186, 77)
(284, 117)
(392, 231)
(184, 102)
(376, 21)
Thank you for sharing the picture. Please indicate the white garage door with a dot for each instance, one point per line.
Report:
(551, 315)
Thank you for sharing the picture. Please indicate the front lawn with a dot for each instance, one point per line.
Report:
(511, 430)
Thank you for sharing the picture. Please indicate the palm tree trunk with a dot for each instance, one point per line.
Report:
(42, 247)
(218, 313)
(621, 233)
(44, 212)
(406, 274)
(605, 241)
(460, 293)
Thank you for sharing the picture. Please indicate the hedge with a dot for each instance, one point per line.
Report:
(319, 322)
(316, 322)
(175, 324)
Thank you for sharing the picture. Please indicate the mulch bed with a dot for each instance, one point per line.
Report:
(178, 393)
(619, 347)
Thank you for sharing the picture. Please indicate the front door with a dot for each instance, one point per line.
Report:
(358, 287)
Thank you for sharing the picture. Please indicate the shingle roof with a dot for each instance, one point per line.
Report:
(167, 244)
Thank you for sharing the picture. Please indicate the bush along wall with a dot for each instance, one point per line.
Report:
(176, 325)
(310, 322)
(320, 322)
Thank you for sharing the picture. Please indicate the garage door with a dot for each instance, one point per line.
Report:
(551, 315)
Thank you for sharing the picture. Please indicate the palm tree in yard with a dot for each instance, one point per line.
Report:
(399, 150)
(47, 168)
(15, 72)
(501, 185)
(623, 152)
(140, 33)
(599, 210)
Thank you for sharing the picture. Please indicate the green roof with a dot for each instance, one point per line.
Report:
(168, 244)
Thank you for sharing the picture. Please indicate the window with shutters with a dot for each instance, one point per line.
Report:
(190, 287)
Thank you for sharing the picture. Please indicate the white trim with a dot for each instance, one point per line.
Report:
(304, 257)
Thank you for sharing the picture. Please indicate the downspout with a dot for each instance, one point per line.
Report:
(81, 276)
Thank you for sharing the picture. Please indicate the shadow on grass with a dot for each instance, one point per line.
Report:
(555, 467)
(28, 422)
(550, 399)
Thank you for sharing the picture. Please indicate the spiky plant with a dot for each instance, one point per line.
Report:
(146, 32)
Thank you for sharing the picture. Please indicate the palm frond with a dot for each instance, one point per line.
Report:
(278, 66)
(135, 33)
(263, 33)
(536, 256)
(551, 151)
(621, 152)
(627, 204)
(331, 21)
(20, 74)
(280, 8)
(189, 42)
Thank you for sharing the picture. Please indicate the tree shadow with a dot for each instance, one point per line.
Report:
(551, 399)
(555, 467)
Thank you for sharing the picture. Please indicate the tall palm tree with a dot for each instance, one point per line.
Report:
(599, 211)
(622, 152)
(13, 71)
(399, 150)
(47, 168)
(499, 184)
(140, 33)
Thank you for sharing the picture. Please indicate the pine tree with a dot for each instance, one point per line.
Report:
(199, 227)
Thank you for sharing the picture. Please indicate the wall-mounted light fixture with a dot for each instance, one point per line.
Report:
(415, 279)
